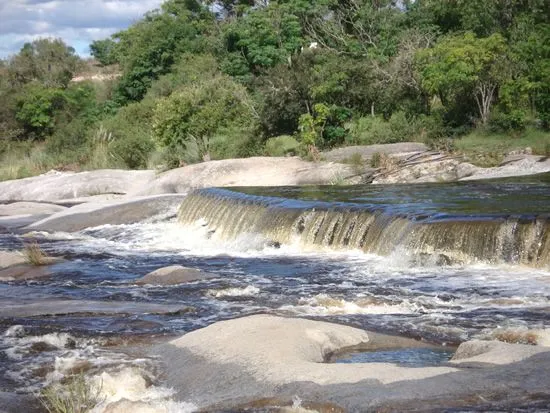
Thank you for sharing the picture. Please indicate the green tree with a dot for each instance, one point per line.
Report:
(104, 51)
(150, 47)
(465, 64)
(48, 61)
(198, 112)
(36, 109)
(264, 37)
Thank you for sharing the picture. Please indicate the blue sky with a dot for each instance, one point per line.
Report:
(77, 22)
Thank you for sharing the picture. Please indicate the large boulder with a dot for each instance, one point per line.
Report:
(174, 274)
(257, 357)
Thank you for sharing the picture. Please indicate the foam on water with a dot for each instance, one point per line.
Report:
(247, 291)
(324, 304)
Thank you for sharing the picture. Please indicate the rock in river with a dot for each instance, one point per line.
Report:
(174, 274)
(263, 356)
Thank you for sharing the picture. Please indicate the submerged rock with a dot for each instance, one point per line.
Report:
(15, 266)
(24, 272)
(174, 274)
(234, 362)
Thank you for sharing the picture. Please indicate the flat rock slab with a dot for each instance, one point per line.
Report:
(526, 165)
(115, 213)
(28, 308)
(366, 151)
(174, 274)
(30, 208)
(10, 258)
(257, 171)
(234, 362)
(24, 272)
(63, 185)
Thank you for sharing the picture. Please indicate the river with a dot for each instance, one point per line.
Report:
(444, 263)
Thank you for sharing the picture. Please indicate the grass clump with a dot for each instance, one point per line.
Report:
(75, 395)
(34, 254)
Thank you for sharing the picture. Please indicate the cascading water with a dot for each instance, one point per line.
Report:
(447, 238)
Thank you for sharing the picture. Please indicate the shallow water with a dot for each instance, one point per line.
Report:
(395, 294)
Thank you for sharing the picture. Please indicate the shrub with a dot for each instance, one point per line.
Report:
(133, 150)
(505, 122)
(204, 111)
(281, 146)
(370, 130)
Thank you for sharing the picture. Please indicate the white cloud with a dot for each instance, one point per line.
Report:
(77, 22)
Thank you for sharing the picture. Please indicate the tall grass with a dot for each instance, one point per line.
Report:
(34, 254)
(75, 395)
(489, 149)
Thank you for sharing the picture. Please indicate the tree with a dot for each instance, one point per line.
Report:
(197, 112)
(104, 51)
(264, 37)
(150, 47)
(465, 64)
(49, 61)
(37, 106)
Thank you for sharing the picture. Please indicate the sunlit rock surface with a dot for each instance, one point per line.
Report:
(259, 356)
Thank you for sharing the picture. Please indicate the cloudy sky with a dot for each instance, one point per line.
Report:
(77, 22)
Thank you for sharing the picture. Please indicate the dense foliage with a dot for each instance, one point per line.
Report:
(214, 79)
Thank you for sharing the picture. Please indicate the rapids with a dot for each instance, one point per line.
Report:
(440, 262)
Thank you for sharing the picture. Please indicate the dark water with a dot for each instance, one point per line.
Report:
(439, 304)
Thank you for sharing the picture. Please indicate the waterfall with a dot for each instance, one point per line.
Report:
(228, 214)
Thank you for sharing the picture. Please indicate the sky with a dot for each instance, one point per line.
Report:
(77, 22)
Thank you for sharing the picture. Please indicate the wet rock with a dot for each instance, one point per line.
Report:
(11, 258)
(32, 308)
(174, 274)
(24, 272)
(127, 406)
(41, 346)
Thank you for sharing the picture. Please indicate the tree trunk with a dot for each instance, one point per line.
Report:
(484, 94)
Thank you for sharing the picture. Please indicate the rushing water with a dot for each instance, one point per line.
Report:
(444, 263)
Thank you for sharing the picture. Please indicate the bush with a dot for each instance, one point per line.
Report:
(505, 122)
(281, 146)
(132, 150)
(204, 112)
(71, 138)
(370, 130)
